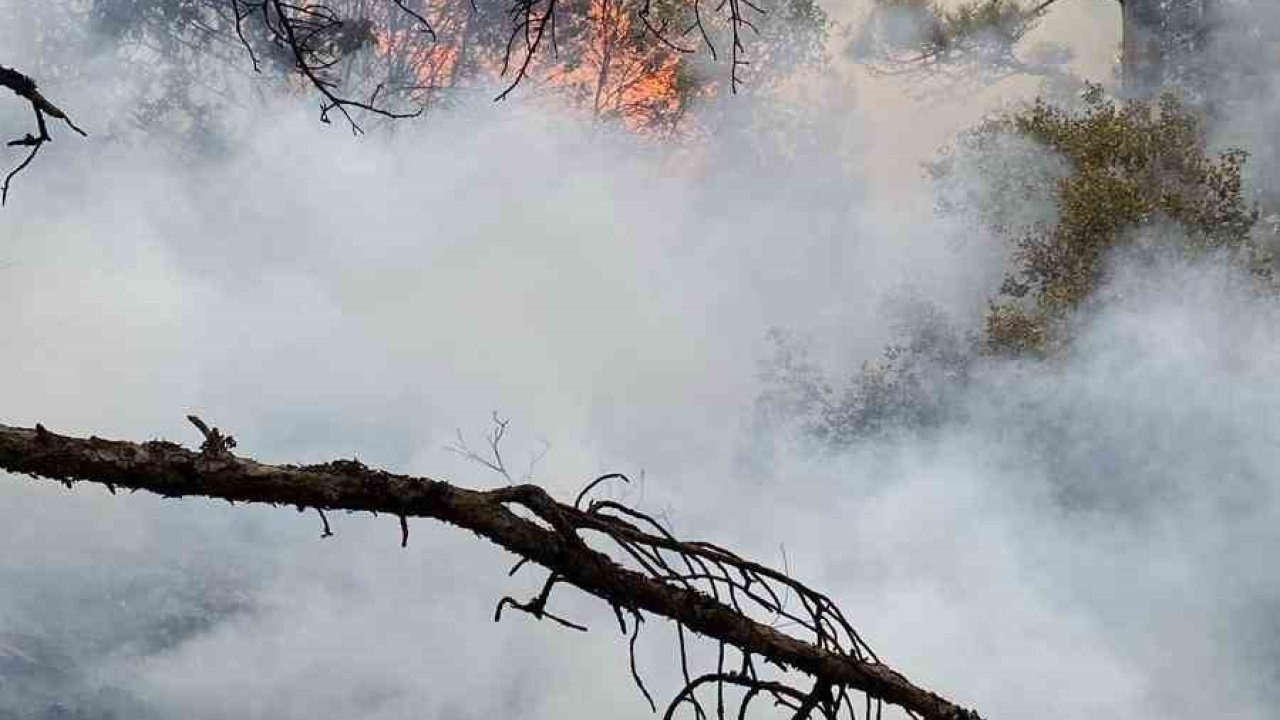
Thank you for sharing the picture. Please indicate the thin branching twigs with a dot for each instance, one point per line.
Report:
(313, 38)
(316, 38)
(677, 580)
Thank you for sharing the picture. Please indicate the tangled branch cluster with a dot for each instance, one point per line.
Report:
(314, 38)
(749, 588)
(741, 16)
(533, 25)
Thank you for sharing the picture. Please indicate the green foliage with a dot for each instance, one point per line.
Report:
(911, 385)
(1130, 165)
(982, 27)
(1115, 170)
(1006, 19)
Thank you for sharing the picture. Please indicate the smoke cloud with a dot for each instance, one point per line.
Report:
(1090, 536)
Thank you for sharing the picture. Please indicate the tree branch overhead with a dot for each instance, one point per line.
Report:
(25, 87)
(701, 587)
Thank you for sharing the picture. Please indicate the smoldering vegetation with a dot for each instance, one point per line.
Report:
(775, 359)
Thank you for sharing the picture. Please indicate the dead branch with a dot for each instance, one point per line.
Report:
(316, 39)
(24, 87)
(494, 460)
(703, 588)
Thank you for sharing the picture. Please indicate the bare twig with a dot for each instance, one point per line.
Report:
(954, 43)
(493, 459)
(315, 38)
(326, 532)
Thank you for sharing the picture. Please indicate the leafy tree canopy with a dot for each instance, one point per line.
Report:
(1135, 177)
(1131, 165)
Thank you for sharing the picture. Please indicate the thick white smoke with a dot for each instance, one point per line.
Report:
(1087, 537)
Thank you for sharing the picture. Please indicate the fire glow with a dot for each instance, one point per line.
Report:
(600, 62)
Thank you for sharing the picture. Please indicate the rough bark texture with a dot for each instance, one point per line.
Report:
(170, 470)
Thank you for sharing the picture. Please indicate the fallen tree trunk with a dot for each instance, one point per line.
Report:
(703, 588)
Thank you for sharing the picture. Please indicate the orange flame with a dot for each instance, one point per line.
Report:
(609, 69)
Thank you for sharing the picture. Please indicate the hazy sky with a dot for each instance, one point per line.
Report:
(1087, 538)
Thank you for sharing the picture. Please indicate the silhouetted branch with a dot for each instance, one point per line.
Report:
(24, 87)
(313, 38)
(316, 38)
(700, 586)
(530, 24)
(325, 520)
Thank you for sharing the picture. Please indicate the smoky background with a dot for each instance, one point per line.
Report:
(1091, 536)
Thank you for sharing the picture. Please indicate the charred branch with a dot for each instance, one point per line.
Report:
(701, 587)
